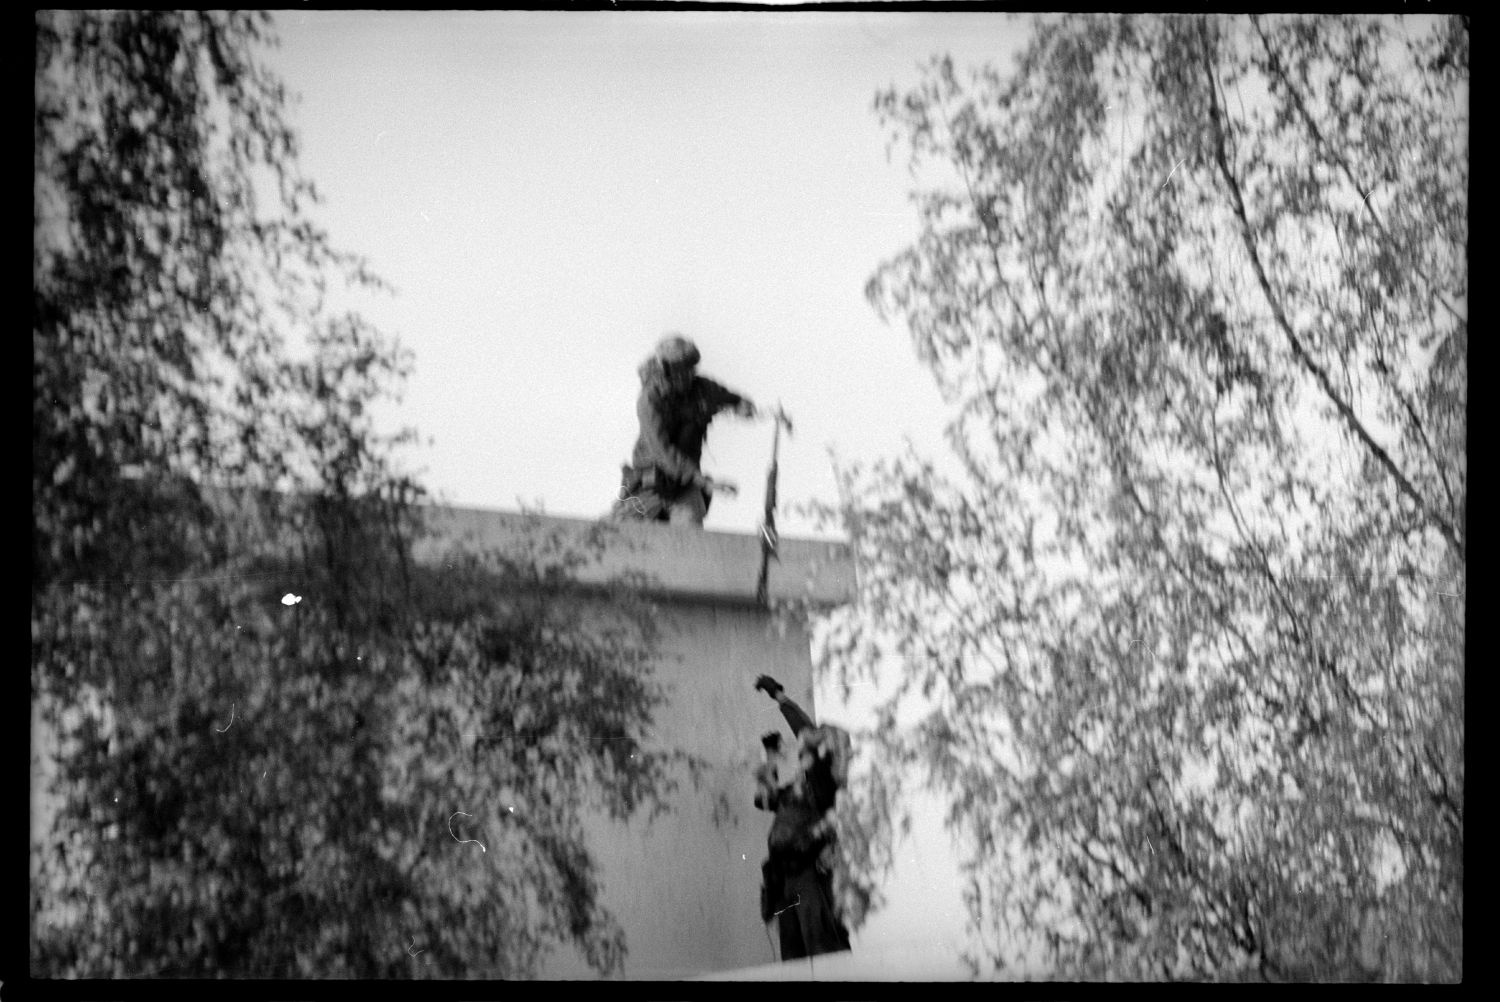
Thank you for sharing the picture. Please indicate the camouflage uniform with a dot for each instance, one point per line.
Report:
(663, 481)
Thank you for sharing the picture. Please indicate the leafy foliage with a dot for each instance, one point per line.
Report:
(246, 785)
(1188, 629)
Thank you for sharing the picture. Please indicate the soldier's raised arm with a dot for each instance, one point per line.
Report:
(722, 398)
(794, 714)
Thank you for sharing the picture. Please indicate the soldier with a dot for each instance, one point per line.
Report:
(797, 887)
(663, 481)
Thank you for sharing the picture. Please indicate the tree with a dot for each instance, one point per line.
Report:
(284, 745)
(1189, 623)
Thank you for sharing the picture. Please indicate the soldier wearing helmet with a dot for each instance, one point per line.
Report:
(801, 847)
(663, 481)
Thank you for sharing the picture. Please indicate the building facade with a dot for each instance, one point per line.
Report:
(686, 886)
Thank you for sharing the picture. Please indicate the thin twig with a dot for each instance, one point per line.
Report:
(1299, 351)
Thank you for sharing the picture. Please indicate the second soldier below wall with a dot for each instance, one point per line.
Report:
(664, 482)
(797, 888)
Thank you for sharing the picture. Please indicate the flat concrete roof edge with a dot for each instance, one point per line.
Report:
(701, 564)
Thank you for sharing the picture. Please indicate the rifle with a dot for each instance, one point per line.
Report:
(769, 538)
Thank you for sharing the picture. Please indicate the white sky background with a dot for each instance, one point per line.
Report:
(550, 192)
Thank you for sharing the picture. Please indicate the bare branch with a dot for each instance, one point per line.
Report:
(1299, 351)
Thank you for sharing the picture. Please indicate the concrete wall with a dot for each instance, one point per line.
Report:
(687, 564)
(686, 888)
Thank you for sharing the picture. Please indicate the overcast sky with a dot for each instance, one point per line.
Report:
(551, 192)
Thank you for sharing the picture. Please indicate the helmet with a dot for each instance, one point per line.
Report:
(674, 349)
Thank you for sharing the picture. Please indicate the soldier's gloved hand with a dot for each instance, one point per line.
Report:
(746, 409)
(768, 685)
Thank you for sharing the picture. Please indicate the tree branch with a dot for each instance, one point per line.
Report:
(1299, 351)
(1343, 164)
(1298, 631)
(1409, 409)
